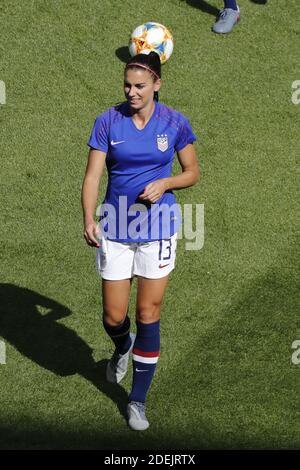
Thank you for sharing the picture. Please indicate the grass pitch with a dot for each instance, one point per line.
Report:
(225, 377)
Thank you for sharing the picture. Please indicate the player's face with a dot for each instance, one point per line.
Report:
(139, 88)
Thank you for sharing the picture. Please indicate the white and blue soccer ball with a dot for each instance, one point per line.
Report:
(152, 37)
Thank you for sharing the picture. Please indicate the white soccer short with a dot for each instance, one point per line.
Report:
(152, 260)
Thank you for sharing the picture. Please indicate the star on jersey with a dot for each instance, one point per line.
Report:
(162, 142)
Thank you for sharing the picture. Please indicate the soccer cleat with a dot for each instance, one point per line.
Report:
(227, 19)
(136, 416)
(117, 366)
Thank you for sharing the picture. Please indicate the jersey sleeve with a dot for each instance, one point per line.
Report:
(99, 135)
(185, 135)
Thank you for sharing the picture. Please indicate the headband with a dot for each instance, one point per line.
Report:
(143, 67)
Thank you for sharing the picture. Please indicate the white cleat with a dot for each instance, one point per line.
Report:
(136, 416)
(117, 366)
(227, 19)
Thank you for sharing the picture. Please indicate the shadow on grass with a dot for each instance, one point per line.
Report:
(204, 6)
(28, 321)
(30, 434)
(123, 54)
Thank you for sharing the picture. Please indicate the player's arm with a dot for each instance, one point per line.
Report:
(188, 177)
(89, 194)
(190, 169)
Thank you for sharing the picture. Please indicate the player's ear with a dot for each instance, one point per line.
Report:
(157, 84)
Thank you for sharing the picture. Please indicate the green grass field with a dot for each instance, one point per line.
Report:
(225, 378)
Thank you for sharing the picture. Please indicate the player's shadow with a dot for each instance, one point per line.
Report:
(123, 54)
(204, 6)
(28, 321)
(211, 9)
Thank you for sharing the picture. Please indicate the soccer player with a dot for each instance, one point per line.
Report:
(139, 218)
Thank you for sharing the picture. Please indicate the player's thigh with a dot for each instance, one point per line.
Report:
(115, 295)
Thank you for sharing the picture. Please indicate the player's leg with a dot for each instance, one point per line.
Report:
(230, 4)
(153, 262)
(146, 346)
(228, 17)
(114, 263)
(116, 323)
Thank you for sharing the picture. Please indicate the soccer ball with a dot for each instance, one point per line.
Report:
(152, 37)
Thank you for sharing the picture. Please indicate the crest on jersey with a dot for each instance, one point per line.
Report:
(162, 142)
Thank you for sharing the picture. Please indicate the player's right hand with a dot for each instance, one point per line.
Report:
(91, 233)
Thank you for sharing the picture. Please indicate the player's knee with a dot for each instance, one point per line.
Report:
(113, 317)
(148, 313)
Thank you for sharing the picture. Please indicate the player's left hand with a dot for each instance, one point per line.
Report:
(154, 191)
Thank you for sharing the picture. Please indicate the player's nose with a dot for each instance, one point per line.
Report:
(132, 93)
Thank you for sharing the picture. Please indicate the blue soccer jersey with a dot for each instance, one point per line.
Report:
(134, 158)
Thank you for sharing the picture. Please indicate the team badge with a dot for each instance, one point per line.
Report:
(162, 142)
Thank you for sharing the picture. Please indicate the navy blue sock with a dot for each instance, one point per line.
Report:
(145, 356)
(120, 335)
(230, 4)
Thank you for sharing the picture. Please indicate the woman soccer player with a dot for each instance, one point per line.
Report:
(139, 218)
